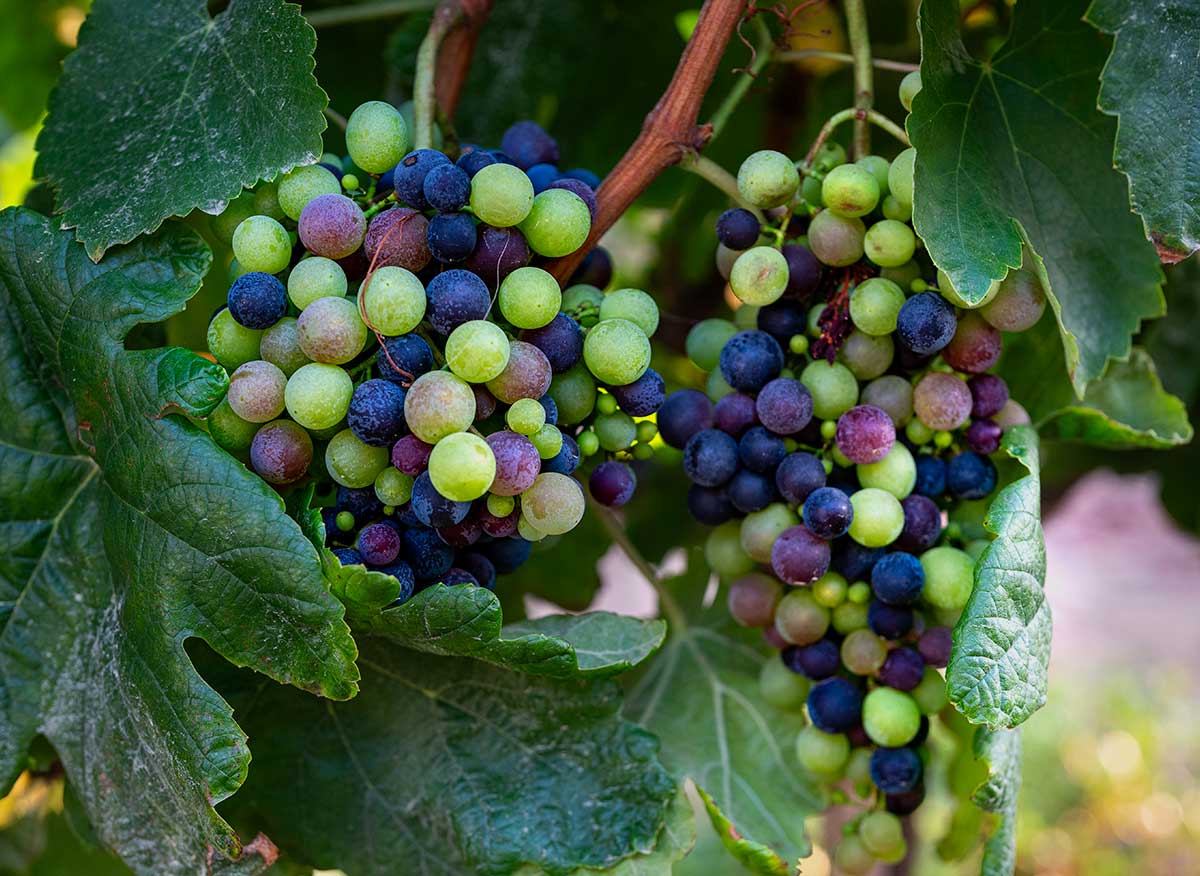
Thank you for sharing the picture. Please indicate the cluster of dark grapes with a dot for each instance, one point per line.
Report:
(389, 336)
(848, 407)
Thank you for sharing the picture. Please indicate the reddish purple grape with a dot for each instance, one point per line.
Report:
(485, 402)
(902, 669)
(411, 455)
(397, 237)
(865, 434)
(942, 401)
(462, 534)
(804, 271)
(976, 345)
(734, 414)
(379, 543)
(612, 484)
(989, 394)
(527, 374)
(281, 452)
(517, 463)
(784, 406)
(935, 644)
(499, 527)
(752, 599)
(799, 557)
(983, 436)
(333, 226)
(498, 252)
(922, 524)
(773, 638)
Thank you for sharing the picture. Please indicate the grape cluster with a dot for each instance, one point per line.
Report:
(389, 335)
(847, 409)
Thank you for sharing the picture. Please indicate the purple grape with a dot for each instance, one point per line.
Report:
(854, 560)
(396, 237)
(906, 803)
(528, 145)
(429, 556)
(734, 414)
(376, 414)
(922, 524)
(508, 554)
(738, 228)
(970, 476)
(499, 527)
(457, 577)
(612, 484)
(517, 463)
(935, 645)
(896, 770)
(752, 600)
(257, 300)
(462, 534)
(828, 512)
(799, 557)
(348, 556)
(498, 252)
(456, 296)
(450, 237)
(333, 226)
(785, 406)
(473, 159)
(989, 394)
(479, 566)
(890, 621)
(409, 176)
(550, 406)
(642, 397)
(281, 452)
(816, 661)
(798, 476)
(709, 506)
(379, 544)
(865, 434)
(446, 188)
(561, 340)
(683, 414)
(835, 705)
(976, 345)
(983, 436)
(403, 573)
(362, 503)
(804, 271)
(411, 455)
(566, 461)
(931, 476)
(527, 374)
(581, 189)
(485, 402)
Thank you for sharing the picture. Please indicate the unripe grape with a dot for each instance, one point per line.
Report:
(975, 347)
(892, 394)
(231, 343)
(878, 166)
(352, 463)
(616, 431)
(332, 226)
(439, 404)
(280, 345)
(501, 195)
(318, 396)
(634, 305)
(930, 694)
(574, 391)
(900, 176)
(833, 388)
(330, 330)
(554, 504)
(301, 185)
(226, 222)
(548, 440)
(281, 452)
(890, 717)
(946, 290)
(759, 276)
(830, 589)
(942, 401)
(376, 136)
(799, 619)
(896, 473)
(558, 223)
(823, 754)
(836, 240)
(781, 688)
(230, 431)
(874, 305)
(881, 833)
(256, 391)
(863, 652)
(892, 208)
(910, 86)
(1019, 302)
(759, 530)
(617, 351)
(315, 278)
(850, 190)
(723, 549)
(705, 340)
(753, 598)
(889, 243)
(394, 300)
(478, 351)
(462, 467)
(393, 487)
(527, 375)
(526, 416)
(867, 356)
(529, 298)
(767, 179)
(852, 858)
(850, 616)
(878, 517)
(262, 244)
(949, 577)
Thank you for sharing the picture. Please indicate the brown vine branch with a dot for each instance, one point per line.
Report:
(443, 61)
(670, 130)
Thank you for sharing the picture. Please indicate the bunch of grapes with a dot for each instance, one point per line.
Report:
(390, 336)
(845, 412)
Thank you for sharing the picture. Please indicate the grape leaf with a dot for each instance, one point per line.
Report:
(1000, 751)
(753, 856)
(1011, 151)
(1148, 84)
(126, 531)
(997, 671)
(700, 697)
(450, 766)
(164, 109)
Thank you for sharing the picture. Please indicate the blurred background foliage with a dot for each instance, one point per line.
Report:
(1110, 769)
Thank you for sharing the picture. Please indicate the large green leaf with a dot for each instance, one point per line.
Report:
(1147, 84)
(701, 697)
(124, 531)
(164, 109)
(997, 671)
(1000, 751)
(451, 766)
(1013, 149)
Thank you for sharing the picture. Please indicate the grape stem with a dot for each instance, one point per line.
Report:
(864, 87)
(764, 54)
(365, 12)
(844, 58)
(859, 115)
(442, 63)
(335, 117)
(616, 531)
(669, 131)
(709, 170)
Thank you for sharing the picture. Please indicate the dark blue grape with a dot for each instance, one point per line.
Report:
(804, 271)
(931, 476)
(376, 414)
(926, 323)
(890, 621)
(409, 353)
(895, 770)
(854, 560)
(760, 451)
(902, 669)
(738, 228)
(970, 476)
(750, 359)
(447, 188)
(462, 534)
(403, 573)
(709, 506)
(561, 340)
(750, 491)
(434, 509)
(907, 803)
(362, 504)
(580, 189)
(816, 661)
(456, 296)
(348, 556)
(835, 705)
(783, 319)
(508, 554)
(584, 175)
(472, 159)
(409, 176)
(828, 512)
(612, 483)
(550, 406)
(566, 461)
(798, 476)
(710, 458)
(257, 300)
(456, 577)
(683, 414)
(479, 566)
(541, 175)
(503, 157)
(335, 170)
(596, 269)
(451, 237)
(428, 555)
(898, 579)
(528, 145)
(922, 524)
(644, 396)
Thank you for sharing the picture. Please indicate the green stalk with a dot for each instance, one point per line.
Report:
(860, 49)
(365, 12)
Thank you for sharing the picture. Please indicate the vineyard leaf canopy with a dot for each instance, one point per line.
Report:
(126, 531)
(1149, 83)
(1013, 150)
(451, 766)
(164, 109)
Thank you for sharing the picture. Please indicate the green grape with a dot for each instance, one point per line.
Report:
(478, 351)
(574, 391)
(528, 531)
(393, 487)
(606, 403)
(896, 473)
(376, 136)
(858, 771)
(798, 344)
(863, 652)
(589, 444)
(830, 589)
(746, 317)
(881, 833)
(266, 201)
(851, 857)
(946, 290)
(759, 530)
(350, 182)
(230, 431)
(231, 343)
(500, 506)
(822, 754)
(235, 271)
(904, 275)
(976, 548)
(439, 404)
(767, 179)
(529, 297)
(878, 517)
(643, 452)
(910, 86)
(833, 388)
(896, 855)
(759, 276)
(227, 221)
(892, 208)
(301, 185)
(828, 429)
(526, 416)
(917, 432)
(394, 300)
(280, 345)
(582, 303)
(615, 431)
(725, 257)
(462, 467)
(829, 156)
(318, 396)
(810, 189)
(555, 503)
(501, 195)
(867, 356)
(813, 324)
(949, 577)
(315, 277)
(781, 688)
(716, 387)
(723, 549)
(850, 190)
(878, 166)
(345, 520)
(889, 243)
(930, 694)
(646, 431)
(900, 177)
(859, 593)
(633, 305)
(875, 304)
(799, 619)
(850, 616)
(548, 440)
(262, 244)
(558, 223)
(256, 391)
(836, 240)
(892, 394)
(890, 717)
(331, 331)
(353, 464)
(617, 351)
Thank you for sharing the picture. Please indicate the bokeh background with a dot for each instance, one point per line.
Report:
(1112, 763)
